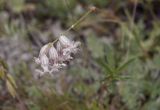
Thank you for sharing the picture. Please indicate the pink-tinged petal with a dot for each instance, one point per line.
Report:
(37, 60)
(53, 53)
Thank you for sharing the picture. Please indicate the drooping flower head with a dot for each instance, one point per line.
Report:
(52, 59)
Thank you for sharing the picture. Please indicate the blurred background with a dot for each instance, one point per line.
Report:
(118, 67)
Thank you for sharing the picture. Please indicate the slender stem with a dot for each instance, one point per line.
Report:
(80, 20)
(134, 13)
(55, 40)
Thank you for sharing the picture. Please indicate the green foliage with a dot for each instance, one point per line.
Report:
(16, 5)
(95, 46)
(59, 8)
(10, 82)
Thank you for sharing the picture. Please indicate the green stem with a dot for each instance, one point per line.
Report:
(80, 20)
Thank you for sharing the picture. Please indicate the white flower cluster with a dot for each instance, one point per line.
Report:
(52, 58)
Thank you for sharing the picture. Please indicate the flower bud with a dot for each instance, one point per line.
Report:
(64, 41)
(44, 49)
(53, 53)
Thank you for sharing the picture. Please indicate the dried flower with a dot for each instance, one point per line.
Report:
(53, 59)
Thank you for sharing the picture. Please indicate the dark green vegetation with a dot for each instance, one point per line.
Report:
(118, 67)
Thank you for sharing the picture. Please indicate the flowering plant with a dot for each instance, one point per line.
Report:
(52, 58)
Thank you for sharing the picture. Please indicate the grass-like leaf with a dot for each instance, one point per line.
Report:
(125, 64)
(11, 88)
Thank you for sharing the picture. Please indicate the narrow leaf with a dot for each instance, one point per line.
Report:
(2, 73)
(10, 78)
(105, 66)
(125, 64)
(10, 88)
